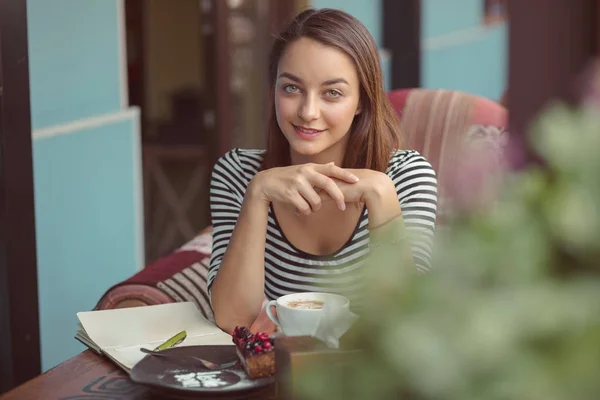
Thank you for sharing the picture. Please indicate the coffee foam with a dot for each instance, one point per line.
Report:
(305, 304)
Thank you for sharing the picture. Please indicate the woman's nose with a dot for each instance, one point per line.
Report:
(309, 110)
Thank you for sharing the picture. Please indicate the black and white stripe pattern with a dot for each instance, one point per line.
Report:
(187, 286)
(289, 270)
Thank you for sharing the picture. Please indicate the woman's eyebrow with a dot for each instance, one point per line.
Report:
(334, 81)
(290, 77)
(326, 83)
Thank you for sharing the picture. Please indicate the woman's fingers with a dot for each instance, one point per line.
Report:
(303, 185)
(302, 206)
(310, 195)
(334, 171)
(328, 185)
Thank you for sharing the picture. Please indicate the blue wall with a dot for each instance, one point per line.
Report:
(74, 59)
(369, 13)
(458, 52)
(86, 164)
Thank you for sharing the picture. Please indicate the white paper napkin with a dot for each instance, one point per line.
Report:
(334, 322)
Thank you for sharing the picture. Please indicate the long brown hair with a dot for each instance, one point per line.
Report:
(375, 131)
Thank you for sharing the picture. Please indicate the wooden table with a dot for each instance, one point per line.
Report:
(89, 376)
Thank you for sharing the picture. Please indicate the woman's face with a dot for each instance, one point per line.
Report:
(316, 99)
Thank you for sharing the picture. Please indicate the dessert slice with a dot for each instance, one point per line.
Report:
(255, 352)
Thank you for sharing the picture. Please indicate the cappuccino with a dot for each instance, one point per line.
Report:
(306, 304)
(299, 314)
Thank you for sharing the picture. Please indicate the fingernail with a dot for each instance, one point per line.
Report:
(354, 178)
(343, 206)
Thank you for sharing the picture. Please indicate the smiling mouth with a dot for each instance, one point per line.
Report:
(308, 131)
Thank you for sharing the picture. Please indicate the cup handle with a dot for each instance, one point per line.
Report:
(273, 318)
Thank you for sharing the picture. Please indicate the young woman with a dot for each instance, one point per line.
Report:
(300, 216)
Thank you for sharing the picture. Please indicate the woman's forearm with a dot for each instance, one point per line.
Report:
(238, 289)
(386, 224)
(382, 202)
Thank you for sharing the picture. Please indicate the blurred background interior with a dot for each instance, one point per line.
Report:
(131, 102)
(193, 108)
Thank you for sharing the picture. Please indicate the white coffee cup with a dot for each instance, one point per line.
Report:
(294, 315)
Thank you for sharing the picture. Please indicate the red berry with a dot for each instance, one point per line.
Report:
(267, 345)
(263, 336)
(258, 349)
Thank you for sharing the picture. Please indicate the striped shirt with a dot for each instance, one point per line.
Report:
(290, 270)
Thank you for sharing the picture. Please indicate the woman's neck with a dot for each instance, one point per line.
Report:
(334, 153)
(298, 159)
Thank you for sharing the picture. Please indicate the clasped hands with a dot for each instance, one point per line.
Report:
(308, 186)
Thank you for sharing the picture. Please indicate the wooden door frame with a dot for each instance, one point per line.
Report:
(215, 29)
(217, 49)
(19, 320)
(402, 38)
(222, 65)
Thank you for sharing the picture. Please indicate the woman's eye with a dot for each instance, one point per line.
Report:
(291, 89)
(334, 94)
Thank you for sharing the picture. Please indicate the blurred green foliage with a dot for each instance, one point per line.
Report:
(512, 307)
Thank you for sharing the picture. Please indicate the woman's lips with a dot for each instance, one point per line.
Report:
(308, 133)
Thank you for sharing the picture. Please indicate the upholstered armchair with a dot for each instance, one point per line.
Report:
(462, 135)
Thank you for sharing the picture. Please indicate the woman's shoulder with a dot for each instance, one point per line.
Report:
(408, 159)
(413, 176)
(238, 160)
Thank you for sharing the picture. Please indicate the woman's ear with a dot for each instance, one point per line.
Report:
(358, 109)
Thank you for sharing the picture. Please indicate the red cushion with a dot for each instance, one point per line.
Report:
(166, 267)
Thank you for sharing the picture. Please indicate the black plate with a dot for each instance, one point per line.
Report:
(167, 374)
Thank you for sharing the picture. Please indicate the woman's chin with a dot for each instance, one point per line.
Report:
(307, 149)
